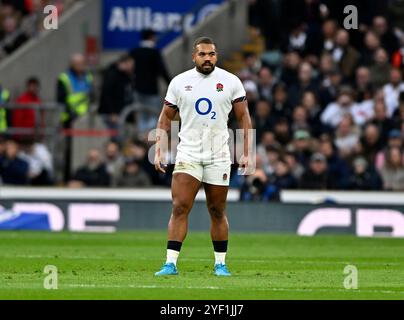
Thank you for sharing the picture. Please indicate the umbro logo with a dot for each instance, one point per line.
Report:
(188, 88)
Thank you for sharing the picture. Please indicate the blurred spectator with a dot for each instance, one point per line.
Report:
(329, 31)
(363, 109)
(13, 169)
(392, 91)
(28, 118)
(290, 66)
(282, 178)
(18, 5)
(392, 171)
(75, 93)
(397, 60)
(337, 166)
(317, 176)
(255, 186)
(347, 136)
(9, 36)
(363, 177)
(398, 116)
(329, 87)
(383, 123)
(136, 150)
(396, 13)
(252, 67)
(117, 90)
(271, 159)
(93, 173)
(305, 82)
(265, 84)
(346, 56)
(150, 67)
(326, 65)
(262, 119)
(395, 140)
(133, 175)
(370, 143)
(299, 119)
(380, 68)
(313, 110)
(4, 114)
(386, 35)
(282, 132)
(363, 84)
(114, 161)
(281, 107)
(302, 146)
(39, 160)
(297, 40)
(371, 45)
(296, 169)
(22, 19)
(75, 90)
(335, 111)
(251, 90)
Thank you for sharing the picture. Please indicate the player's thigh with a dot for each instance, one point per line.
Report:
(216, 196)
(184, 188)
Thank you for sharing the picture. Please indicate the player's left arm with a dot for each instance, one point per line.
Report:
(240, 107)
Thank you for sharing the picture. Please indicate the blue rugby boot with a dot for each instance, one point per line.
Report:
(168, 269)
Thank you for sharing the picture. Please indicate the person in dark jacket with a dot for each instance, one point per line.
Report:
(134, 175)
(116, 90)
(364, 177)
(150, 66)
(13, 169)
(318, 176)
(337, 166)
(93, 174)
(282, 178)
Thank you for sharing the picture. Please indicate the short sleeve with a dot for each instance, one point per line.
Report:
(238, 90)
(171, 96)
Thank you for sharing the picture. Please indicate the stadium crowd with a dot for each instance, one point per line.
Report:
(21, 20)
(327, 104)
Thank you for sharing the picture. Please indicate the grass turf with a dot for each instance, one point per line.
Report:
(122, 266)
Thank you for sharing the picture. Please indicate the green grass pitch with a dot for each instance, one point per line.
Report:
(264, 266)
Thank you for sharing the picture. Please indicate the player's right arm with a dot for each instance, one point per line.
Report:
(163, 127)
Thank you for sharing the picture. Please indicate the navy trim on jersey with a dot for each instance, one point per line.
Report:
(170, 105)
(241, 99)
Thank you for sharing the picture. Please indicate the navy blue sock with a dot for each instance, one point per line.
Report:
(174, 245)
(220, 246)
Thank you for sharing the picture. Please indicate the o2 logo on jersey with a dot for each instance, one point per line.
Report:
(206, 105)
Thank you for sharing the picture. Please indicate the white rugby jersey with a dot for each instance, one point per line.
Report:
(204, 103)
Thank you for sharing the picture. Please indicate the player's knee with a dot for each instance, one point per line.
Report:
(180, 209)
(216, 212)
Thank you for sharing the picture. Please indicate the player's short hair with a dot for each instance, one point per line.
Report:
(205, 40)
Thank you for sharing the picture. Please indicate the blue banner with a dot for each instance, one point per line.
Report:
(24, 221)
(123, 20)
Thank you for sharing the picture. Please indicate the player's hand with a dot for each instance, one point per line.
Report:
(158, 162)
(246, 165)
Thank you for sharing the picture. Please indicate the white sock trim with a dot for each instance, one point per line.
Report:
(172, 256)
(220, 257)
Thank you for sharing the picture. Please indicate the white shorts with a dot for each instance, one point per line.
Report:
(213, 173)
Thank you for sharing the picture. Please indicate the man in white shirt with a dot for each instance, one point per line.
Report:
(204, 96)
(392, 91)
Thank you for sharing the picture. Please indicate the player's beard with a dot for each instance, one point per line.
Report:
(204, 71)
